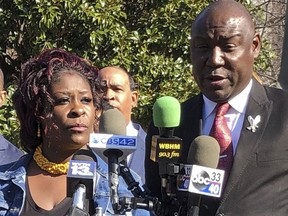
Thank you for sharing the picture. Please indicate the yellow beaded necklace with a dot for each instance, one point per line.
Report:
(48, 166)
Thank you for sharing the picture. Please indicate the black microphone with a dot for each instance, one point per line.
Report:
(133, 185)
(141, 199)
(81, 180)
(204, 178)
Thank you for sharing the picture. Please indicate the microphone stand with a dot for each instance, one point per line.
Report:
(113, 168)
(78, 205)
(141, 199)
(194, 209)
(175, 201)
(133, 186)
(77, 212)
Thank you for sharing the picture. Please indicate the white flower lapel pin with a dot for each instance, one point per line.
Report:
(253, 122)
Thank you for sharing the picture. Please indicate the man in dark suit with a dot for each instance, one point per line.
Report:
(224, 45)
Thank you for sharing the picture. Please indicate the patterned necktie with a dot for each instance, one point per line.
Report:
(222, 134)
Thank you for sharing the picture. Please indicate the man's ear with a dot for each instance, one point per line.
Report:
(3, 96)
(256, 45)
(135, 96)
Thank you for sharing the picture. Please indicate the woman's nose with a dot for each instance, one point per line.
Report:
(77, 109)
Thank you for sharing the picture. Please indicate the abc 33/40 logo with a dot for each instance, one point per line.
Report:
(206, 181)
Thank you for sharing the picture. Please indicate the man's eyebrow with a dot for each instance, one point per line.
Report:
(231, 36)
(116, 85)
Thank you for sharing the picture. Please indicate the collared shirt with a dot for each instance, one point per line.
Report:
(234, 116)
(13, 190)
(135, 161)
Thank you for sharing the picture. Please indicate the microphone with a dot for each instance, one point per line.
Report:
(166, 116)
(166, 148)
(81, 179)
(112, 135)
(204, 151)
(201, 177)
(112, 145)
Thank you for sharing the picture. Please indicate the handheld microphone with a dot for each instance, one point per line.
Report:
(166, 148)
(112, 145)
(81, 179)
(201, 177)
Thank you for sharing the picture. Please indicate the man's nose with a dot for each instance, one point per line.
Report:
(216, 57)
(108, 95)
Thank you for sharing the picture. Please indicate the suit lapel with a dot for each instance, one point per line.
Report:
(258, 104)
(191, 112)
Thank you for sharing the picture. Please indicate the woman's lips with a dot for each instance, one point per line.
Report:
(78, 128)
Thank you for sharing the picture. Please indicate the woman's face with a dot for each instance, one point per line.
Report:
(73, 114)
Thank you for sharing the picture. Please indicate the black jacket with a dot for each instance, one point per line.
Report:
(258, 182)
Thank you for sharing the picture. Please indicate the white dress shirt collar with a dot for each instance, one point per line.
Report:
(131, 130)
(234, 102)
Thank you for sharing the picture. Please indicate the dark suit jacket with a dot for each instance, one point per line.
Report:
(258, 182)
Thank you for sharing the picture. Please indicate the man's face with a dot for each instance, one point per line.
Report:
(118, 92)
(223, 49)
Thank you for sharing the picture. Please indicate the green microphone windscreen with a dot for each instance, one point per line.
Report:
(166, 112)
(204, 151)
(112, 121)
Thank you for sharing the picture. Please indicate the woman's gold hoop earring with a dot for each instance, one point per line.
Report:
(38, 130)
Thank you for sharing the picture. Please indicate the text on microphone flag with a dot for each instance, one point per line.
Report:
(200, 180)
(82, 168)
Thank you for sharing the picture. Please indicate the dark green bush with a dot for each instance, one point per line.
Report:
(149, 38)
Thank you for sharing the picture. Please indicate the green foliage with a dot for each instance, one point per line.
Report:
(149, 38)
(266, 60)
(9, 125)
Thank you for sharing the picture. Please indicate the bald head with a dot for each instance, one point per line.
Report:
(223, 47)
(223, 12)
